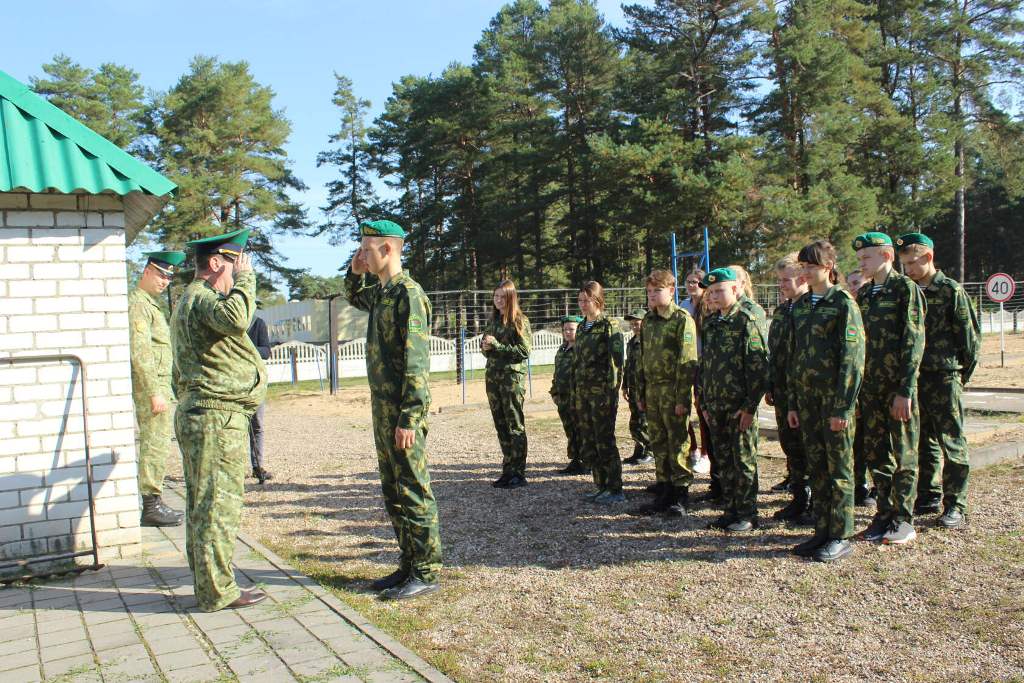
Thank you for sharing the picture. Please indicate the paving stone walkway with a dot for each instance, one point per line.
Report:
(136, 620)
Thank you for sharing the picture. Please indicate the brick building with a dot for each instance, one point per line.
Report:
(70, 202)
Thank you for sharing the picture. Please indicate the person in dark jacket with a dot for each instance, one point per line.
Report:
(261, 340)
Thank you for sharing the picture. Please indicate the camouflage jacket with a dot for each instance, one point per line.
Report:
(669, 353)
(561, 382)
(734, 361)
(952, 339)
(760, 317)
(215, 362)
(150, 339)
(597, 369)
(894, 328)
(825, 346)
(397, 342)
(511, 350)
(778, 351)
(631, 373)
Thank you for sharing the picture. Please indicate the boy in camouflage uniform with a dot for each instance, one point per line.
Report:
(562, 394)
(398, 369)
(150, 338)
(893, 310)
(952, 342)
(630, 385)
(734, 356)
(792, 286)
(220, 380)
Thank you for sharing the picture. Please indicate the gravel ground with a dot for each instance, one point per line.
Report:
(542, 586)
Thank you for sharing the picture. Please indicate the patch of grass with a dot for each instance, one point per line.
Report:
(75, 674)
(288, 607)
(335, 671)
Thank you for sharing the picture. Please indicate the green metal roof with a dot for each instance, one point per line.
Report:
(43, 149)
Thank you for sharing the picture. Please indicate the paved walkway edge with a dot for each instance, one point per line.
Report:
(997, 390)
(410, 658)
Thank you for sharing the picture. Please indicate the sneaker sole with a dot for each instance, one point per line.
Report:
(903, 541)
(835, 558)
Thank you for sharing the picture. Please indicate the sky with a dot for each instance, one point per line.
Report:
(293, 46)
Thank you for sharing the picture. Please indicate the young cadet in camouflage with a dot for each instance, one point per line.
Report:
(747, 299)
(506, 346)
(791, 287)
(597, 378)
(734, 359)
(150, 339)
(398, 369)
(563, 394)
(630, 384)
(826, 366)
(952, 342)
(220, 380)
(668, 369)
(893, 310)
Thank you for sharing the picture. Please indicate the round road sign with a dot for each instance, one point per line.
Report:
(1000, 287)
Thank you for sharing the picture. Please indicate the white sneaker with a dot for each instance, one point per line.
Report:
(703, 465)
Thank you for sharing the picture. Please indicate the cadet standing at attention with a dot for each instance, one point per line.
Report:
(893, 309)
(950, 355)
(734, 356)
(630, 384)
(668, 369)
(150, 339)
(597, 380)
(564, 396)
(220, 379)
(826, 365)
(792, 286)
(398, 369)
(506, 346)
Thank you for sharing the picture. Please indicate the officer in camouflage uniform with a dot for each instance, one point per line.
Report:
(398, 369)
(506, 346)
(791, 288)
(734, 357)
(826, 366)
(563, 395)
(952, 343)
(220, 380)
(597, 378)
(893, 310)
(630, 385)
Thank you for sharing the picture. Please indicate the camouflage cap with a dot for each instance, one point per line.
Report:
(637, 314)
(719, 275)
(572, 319)
(871, 239)
(382, 228)
(915, 238)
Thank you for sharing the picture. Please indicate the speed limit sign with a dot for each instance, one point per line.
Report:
(1000, 287)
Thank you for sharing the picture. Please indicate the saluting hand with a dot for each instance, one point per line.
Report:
(243, 263)
(358, 264)
(404, 438)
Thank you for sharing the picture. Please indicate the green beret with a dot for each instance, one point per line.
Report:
(915, 238)
(719, 275)
(165, 261)
(871, 239)
(381, 229)
(637, 314)
(230, 243)
(572, 319)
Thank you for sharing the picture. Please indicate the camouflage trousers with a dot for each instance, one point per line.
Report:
(829, 466)
(567, 414)
(408, 499)
(506, 392)
(638, 427)
(215, 453)
(793, 446)
(596, 414)
(736, 451)
(942, 455)
(670, 438)
(154, 446)
(860, 458)
(890, 447)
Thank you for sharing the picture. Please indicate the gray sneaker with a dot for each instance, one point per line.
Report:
(876, 530)
(833, 551)
(899, 533)
(952, 519)
(607, 497)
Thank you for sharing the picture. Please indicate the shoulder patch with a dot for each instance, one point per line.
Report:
(852, 333)
(417, 324)
(755, 343)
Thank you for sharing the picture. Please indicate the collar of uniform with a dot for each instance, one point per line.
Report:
(155, 300)
(669, 311)
(400, 276)
(937, 280)
(732, 310)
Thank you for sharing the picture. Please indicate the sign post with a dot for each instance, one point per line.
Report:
(1000, 288)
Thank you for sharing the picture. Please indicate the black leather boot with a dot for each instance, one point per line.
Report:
(155, 513)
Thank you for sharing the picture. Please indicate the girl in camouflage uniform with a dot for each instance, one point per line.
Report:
(506, 345)
(598, 376)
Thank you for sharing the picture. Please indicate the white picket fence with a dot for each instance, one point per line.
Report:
(300, 361)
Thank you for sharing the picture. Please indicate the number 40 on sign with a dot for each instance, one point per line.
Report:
(1000, 288)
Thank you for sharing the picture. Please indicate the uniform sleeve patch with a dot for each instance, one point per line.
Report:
(687, 337)
(416, 324)
(852, 333)
(755, 343)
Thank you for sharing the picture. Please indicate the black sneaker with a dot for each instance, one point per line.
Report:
(742, 524)
(952, 518)
(412, 588)
(811, 545)
(876, 530)
(660, 504)
(782, 485)
(833, 551)
(658, 488)
(574, 467)
(516, 481)
(645, 460)
(393, 579)
(794, 509)
(927, 505)
(723, 521)
(680, 506)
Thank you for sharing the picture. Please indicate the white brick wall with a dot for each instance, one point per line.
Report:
(63, 289)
